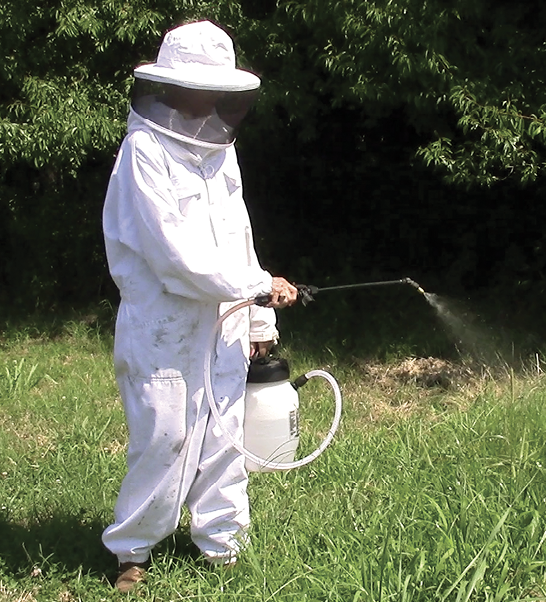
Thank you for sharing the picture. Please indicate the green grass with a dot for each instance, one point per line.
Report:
(427, 493)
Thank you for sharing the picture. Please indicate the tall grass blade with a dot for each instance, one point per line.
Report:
(483, 551)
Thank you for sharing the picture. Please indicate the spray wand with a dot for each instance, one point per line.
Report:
(306, 292)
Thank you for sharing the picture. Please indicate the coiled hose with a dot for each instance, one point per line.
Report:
(240, 448)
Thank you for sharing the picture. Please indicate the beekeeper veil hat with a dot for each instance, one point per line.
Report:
(194, 91)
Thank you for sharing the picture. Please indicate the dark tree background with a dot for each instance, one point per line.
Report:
(392, 138)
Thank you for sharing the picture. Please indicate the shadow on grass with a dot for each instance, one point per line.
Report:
(98, 319)
(179, 545)
(68, 545)
(64, 543)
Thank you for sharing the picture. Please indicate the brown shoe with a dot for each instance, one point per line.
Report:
(130, 573)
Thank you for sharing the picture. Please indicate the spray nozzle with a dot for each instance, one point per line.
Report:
(306, 292)
(415, 285)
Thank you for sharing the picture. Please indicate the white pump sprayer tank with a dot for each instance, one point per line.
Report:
(271, 426)
(260, 461)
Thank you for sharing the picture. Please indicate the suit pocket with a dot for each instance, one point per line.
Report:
(164, 348)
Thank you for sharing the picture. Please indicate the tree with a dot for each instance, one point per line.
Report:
(373, 98)
(65, 77)
(468, 75)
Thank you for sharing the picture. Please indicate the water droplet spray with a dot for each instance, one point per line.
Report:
(469, 337)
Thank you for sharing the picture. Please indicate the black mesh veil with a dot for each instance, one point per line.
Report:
(208, 117)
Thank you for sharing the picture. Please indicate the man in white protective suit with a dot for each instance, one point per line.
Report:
(179, 247)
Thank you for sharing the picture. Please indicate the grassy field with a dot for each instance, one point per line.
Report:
(434, 487)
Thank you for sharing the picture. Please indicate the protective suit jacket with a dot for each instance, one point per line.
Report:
(180, 249)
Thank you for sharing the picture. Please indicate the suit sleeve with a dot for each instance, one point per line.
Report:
(263, 324)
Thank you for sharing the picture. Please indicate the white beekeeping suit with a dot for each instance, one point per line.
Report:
(179, 247)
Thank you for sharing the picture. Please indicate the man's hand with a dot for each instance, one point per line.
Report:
(282, 294)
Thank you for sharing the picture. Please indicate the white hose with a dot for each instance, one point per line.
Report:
(238, 446)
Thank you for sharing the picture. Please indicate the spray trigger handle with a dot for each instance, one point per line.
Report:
(305, 295)
(306, 292)
(262, 300)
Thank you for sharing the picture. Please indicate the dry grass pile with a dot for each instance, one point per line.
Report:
(423, 372)
(378, 391)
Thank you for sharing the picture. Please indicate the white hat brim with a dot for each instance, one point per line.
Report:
(201, 77)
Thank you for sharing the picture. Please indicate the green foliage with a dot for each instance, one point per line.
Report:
(362, 101)
(465, 72)
(65, 76)
(468, 76)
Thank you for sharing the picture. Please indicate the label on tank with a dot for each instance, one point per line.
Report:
(294, 424)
